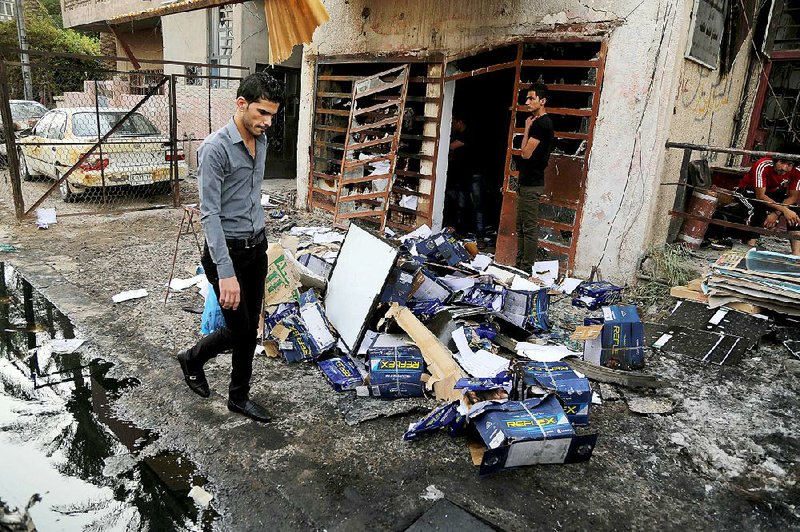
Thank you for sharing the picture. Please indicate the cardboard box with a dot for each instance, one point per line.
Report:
(527, 309)
(441, 417)
(573, 391)
(618, 343)
(285, 276)
(341, 372)
(534, 431)
(427, 286)
(398, 286)
(316, 264)
(597, 294)
(443, 247)
(319, 328)
(487, 295)
(396, 371)
(622, 338)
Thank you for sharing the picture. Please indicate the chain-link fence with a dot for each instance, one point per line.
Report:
(99, 136)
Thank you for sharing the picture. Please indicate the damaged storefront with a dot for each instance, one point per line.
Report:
(405, 134)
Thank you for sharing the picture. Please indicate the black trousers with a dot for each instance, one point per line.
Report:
(241, 325)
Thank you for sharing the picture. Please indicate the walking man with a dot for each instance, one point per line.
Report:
(230, 170)
(536, 145)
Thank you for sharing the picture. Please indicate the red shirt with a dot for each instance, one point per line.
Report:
(762, 175)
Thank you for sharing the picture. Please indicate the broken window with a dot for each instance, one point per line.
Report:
(410, 185)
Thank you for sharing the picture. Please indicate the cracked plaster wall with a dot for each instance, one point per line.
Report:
(636, 103)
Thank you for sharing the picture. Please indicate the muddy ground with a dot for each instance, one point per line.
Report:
(726, 458)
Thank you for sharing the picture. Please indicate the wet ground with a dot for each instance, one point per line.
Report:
(725, 458)
(59, 437)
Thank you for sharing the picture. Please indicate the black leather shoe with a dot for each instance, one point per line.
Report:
(249, 409)
(196, 380)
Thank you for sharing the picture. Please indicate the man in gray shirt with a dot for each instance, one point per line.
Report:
(231, 168)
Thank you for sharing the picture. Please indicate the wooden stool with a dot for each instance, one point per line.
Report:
(187, 228)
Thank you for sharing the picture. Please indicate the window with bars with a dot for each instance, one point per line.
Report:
(220, 43)
(6, 10)
(786, 25)
(141, 81)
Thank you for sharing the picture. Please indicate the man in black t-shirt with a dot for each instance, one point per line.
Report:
(536, 145)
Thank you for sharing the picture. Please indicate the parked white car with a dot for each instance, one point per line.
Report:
(136, 155)
(25, 114)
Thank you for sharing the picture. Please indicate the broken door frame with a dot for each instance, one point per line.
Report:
(507, 238)
(432, 101)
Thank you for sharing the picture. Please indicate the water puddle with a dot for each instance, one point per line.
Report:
(60, 439)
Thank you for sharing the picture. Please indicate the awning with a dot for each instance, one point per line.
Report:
(289, 22)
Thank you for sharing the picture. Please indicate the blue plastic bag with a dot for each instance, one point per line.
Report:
(212, 313)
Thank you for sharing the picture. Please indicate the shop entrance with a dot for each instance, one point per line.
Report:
(481, 118)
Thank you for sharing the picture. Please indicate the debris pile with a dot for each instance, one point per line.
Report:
(428, 315)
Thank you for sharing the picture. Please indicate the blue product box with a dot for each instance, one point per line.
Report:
(443, 247)
(536, 419)
(283, 310)
(298, 345)
(398, 287)
(622, 338)
(574, 392)
(527, 309)
(595, 295)
(424, 309)
(441, 417)
(316, 264)
(487, 295)
(341, 372)
(396, 371)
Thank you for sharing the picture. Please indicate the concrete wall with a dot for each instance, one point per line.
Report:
(705, 111)
(185, 39)
(641, 80)
(77, 12)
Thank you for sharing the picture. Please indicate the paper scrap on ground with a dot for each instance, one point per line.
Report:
(66, 346)
(422, 231)
(544, 353)
(308, 230)
(523, 284)
(547, 271)
(45, 216)
(569, 285)
(326, 238)
(482, 364)
(265, 202)
(130, 294)
(181, 284)
(200, 496)
(457, 284)
(481, 262)
(504, 276)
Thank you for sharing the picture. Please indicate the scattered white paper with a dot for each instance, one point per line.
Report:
(422, 231)
(308, 230)
(520, 283)
(547, 271)
(388, 231)
(64, 346)
(500, 274)
(200, 496)
(482, 364)
(481, 262)
(544, 353)
(130, 294)
(569, 285)
(409, 202)
(662, 341)
(181, 284)
(717, 317)
(456, 284)
(265, 202)
(380, 167)
(327, 238)
(596, 399)
(375, 339)
(45, 216)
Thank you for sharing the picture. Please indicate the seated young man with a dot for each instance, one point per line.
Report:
(769, 191)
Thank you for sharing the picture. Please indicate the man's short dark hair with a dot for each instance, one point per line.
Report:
(540, 89)
(261, 86)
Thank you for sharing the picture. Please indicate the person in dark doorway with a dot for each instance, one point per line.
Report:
(230, 170)
(769, 191)
(466, 170)
(537, 142)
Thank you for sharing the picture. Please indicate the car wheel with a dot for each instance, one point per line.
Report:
(66, 191)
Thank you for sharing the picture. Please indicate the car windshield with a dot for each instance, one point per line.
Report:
(27, 110)
(85, 124)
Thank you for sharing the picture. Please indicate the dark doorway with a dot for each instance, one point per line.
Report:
(282, 150)
(483, 103)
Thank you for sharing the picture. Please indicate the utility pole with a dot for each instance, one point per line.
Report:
(23, 46)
